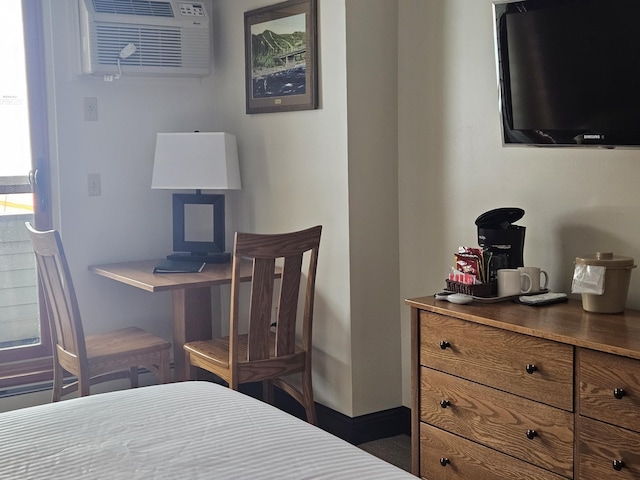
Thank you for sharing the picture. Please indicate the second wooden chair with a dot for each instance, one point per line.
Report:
(269, 351)
(93, 358)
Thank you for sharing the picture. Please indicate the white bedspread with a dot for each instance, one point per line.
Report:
(189, 430)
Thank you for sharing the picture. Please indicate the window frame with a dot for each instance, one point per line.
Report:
(34, 363)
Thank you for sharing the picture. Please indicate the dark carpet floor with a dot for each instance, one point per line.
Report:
(395, 450)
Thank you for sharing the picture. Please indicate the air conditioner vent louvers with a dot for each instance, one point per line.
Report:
(133, 7)
(155, 47)
(165, 44)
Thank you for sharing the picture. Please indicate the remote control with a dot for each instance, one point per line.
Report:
(543, 299)
(442, 295)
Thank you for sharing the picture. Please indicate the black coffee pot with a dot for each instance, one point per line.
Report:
(503, 240)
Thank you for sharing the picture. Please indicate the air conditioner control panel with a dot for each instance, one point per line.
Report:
(192, 9)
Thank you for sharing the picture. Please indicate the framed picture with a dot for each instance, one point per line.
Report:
(281, 69)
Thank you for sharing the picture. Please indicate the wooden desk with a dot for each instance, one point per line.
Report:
(191, 295)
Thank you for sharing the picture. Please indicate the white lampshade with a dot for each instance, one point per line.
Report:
(199, 160)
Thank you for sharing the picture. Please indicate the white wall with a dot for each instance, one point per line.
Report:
(336, 166)
(372, 106)
(453, 167)
(298, 169)
(294, 175)
(129, 220)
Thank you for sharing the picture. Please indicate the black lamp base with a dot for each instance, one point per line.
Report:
(223, 257)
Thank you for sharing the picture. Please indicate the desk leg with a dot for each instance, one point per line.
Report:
(191, 321)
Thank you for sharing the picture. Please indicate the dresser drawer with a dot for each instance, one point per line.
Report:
(600, 445)
(499, 420)
(498, 358)
(466, 460)
(604, 377)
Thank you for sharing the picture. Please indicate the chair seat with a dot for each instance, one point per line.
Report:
(123, 342)
(215, 353)
(217, 350)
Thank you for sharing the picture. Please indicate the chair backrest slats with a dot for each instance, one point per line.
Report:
(260, 308)
(288, 306)
(60, 298)
(307, 324)
(264, 250)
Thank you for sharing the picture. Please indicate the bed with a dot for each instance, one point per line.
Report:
(187, 430)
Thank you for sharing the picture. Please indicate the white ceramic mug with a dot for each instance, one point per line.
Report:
(536, 274)
(511, 281)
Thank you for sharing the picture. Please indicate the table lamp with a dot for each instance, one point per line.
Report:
(199, 160)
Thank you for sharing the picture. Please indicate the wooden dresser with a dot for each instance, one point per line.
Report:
(508, 391)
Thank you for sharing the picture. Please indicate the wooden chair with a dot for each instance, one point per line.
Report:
(93, 358)
(268, 352)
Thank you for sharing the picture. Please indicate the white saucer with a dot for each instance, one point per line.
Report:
(459, 298)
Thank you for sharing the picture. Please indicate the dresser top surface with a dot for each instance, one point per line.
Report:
(565, 322)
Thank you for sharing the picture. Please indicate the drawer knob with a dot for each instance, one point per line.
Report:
(444, 462)
(619, 393)
(531, 434)
(531, 368)
(618, 465)
(445, 403)
(444, 344)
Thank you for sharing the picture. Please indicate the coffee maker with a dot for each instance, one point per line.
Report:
(503, 240)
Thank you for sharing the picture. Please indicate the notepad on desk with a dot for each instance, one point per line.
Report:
(172, 266)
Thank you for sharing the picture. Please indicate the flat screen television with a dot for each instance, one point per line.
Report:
(569, 72)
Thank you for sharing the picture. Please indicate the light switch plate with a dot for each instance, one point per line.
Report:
(94, 185)
(90, 109)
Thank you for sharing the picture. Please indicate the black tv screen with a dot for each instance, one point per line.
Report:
(569, 71)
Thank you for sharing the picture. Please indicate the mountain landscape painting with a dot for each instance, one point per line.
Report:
(279, 57)
(281, 60)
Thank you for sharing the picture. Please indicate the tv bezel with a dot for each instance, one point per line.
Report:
(539, 138)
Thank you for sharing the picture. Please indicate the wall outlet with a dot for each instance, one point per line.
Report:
(94, 185)
(90, 109)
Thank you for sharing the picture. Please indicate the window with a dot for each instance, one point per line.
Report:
(25, 345)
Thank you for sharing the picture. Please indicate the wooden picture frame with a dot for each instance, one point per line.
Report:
(281, 68)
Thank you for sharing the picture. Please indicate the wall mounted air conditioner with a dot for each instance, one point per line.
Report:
(171, 38)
